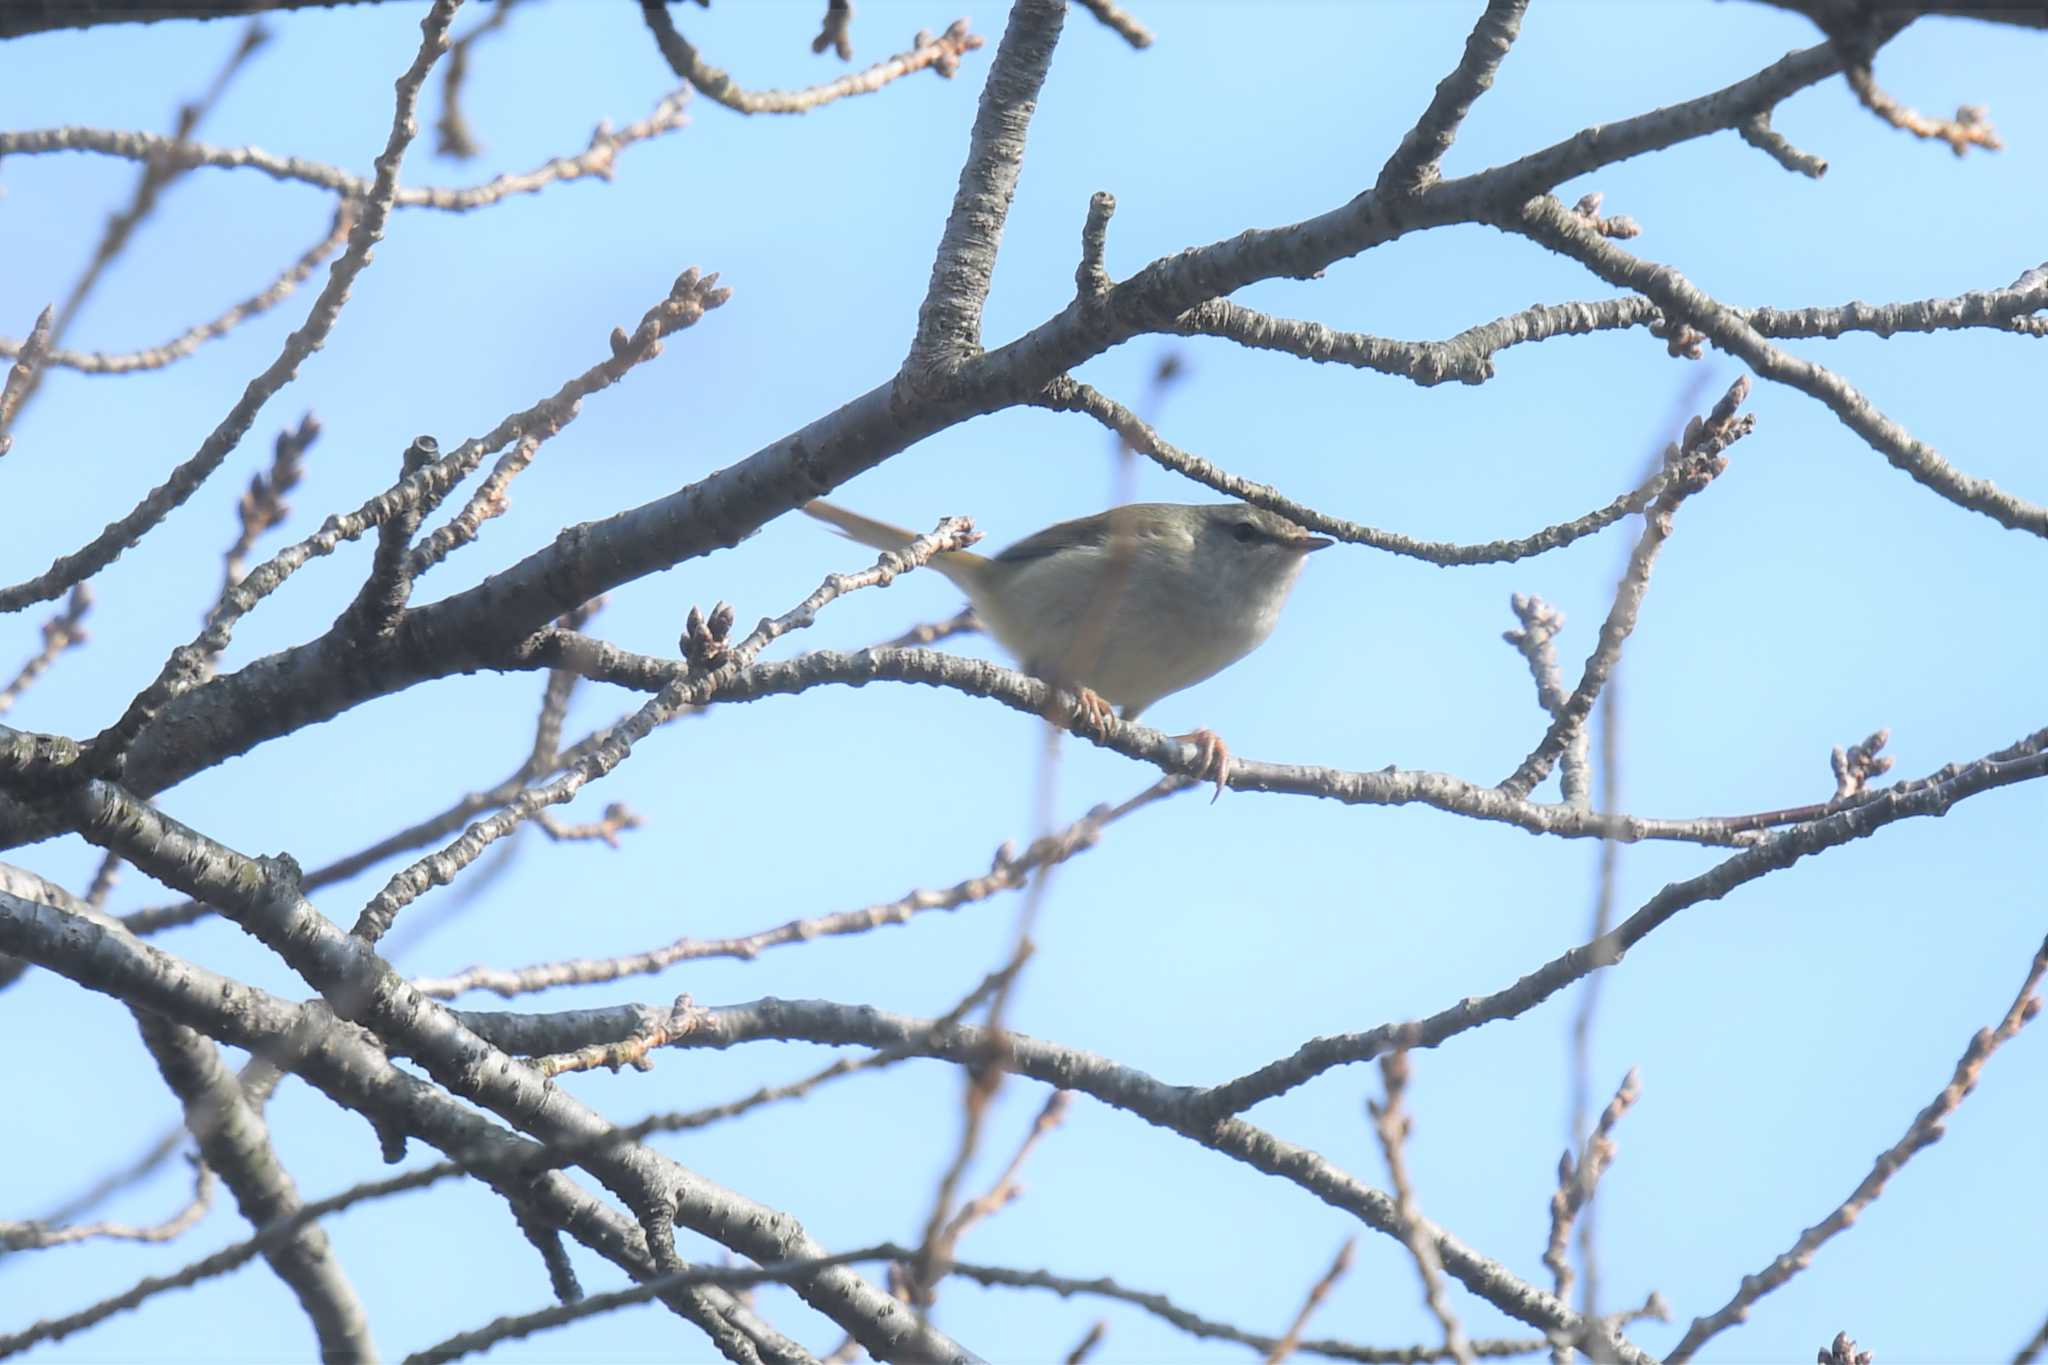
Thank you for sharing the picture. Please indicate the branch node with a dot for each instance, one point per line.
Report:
(1758, 133)
(1091, 277)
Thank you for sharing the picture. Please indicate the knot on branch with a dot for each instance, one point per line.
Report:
(1091, 277)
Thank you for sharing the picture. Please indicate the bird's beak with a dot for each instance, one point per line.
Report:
(1312, 543)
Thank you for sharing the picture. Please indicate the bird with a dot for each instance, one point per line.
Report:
(1129, 605)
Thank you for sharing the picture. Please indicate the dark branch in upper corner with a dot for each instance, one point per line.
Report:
(49, 16)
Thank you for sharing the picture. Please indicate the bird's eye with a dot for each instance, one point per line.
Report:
(1243, 532)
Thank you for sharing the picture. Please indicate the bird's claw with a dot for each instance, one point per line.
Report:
(1212, 759)
(1091, 714)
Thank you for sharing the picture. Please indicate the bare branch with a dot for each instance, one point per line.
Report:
(1540, 625)
(191, 339)
(1097, 1330)
(1758, 133)
(104, 548)
(234, 1141)
(1930, 796)
(1414, 164)
(557, 1315)
(262, 896)
(597, 159)
(1545, 220)
(942, 54)
(1068, 395)
(21, 376)
(35, 1234)
(351, 1070)
(1033, 697)
(1006, 1188)
(1466, 357)
(263, 506)
(713, 663)
(1391, 1125)
(949, 322)
(1576, 1182)
(453, 135)
(1174, 1107)
(1320, 1290)
(962, 622)
(1010, 871)
(418, 492)
(1690, 465)
(1120, 22)
(1927, 1128)
(65, 630)
(1971, 127)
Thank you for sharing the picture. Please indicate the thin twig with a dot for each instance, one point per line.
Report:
(1971, 127)
(1544, 220)
(1290, 1341)
(1690, 464)
(263, 506)
(157, 174)
(942, 54)
(453, 135)
(1927, 1128)
(65, 630)
(1391, 1125)
(1758, 133)
(1009, 871)
(1068, 395)
(298, 347)
(1099, 1329)
(21, 376)
(1120, 22)
(1577, 1180)
(713, 662)
(598, 158)
(37, 1234)
(192, 338)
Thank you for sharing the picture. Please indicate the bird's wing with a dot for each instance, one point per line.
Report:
(1083, 533)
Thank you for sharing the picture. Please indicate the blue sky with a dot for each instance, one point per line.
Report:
(1784, 1035)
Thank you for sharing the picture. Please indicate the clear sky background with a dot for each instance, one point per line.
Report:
(1784, 1036)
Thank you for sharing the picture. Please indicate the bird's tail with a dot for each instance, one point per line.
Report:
(962, 566)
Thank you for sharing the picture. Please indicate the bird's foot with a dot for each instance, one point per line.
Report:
(1212, 759)
(1089, 714)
